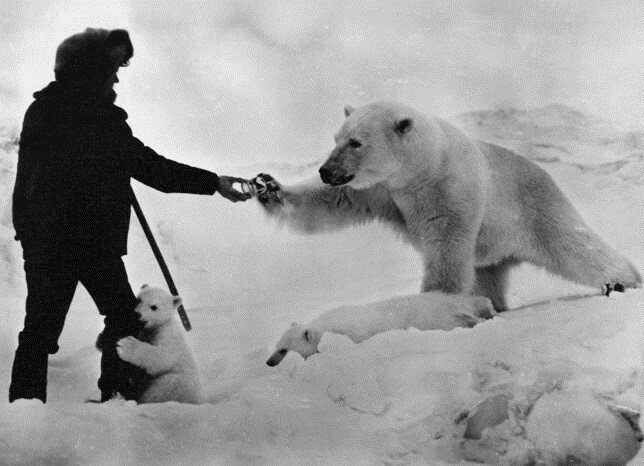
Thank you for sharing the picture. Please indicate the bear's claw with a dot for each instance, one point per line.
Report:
(615, 287)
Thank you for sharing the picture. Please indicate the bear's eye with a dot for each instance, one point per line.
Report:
(354, 143)
(154, 308)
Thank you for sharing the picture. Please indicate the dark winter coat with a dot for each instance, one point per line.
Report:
(71, 200)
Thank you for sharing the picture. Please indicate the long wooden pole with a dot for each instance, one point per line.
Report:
(157, 253)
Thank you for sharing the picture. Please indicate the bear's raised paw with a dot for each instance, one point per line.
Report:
(267, 188)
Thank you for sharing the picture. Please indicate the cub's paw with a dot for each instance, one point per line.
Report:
(126, 348)
(269, 191)
(463, 319)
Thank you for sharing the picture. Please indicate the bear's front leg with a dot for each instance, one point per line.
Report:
(449, 266)
(143, 355)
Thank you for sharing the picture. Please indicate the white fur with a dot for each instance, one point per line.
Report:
(560, 426)
(569, 428)
(162, 351)
(473, 210)
(425, 311)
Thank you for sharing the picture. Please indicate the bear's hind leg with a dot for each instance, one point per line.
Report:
(579, 255)
(492, 281)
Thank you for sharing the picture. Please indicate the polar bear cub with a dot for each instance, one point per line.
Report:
(433, 310)
(162, 351)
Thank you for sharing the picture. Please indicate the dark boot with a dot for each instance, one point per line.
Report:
(117, 376)
(108, 285)
(110, 368)
(29, 372)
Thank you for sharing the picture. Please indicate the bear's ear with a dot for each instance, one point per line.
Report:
(348, 110)
(176, 301)
(403, 126)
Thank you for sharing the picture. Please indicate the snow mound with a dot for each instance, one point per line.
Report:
(10, 253)
(556, 377)
(558, 133)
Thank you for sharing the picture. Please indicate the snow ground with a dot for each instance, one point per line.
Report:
(395, 398)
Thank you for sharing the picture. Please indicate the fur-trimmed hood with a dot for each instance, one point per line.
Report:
(90, 56)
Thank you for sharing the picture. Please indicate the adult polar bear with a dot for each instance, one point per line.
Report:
(474, 210)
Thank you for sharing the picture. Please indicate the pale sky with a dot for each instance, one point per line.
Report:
(250, 80)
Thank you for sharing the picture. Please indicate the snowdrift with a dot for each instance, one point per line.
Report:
(559, 376)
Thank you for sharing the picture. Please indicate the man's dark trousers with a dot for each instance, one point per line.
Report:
(50, 290)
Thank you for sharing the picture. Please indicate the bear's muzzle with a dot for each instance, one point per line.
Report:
(334, 177)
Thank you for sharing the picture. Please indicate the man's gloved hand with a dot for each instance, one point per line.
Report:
(227, 190)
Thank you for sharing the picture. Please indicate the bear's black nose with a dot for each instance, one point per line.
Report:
(334, 177)
(325, 174)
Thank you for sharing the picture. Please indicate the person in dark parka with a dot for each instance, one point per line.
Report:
(71, 206)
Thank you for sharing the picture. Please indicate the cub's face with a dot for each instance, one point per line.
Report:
(156, 306)
(297, 338)
(367, 148)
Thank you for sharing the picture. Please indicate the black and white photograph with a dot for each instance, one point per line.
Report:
(325, 232)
